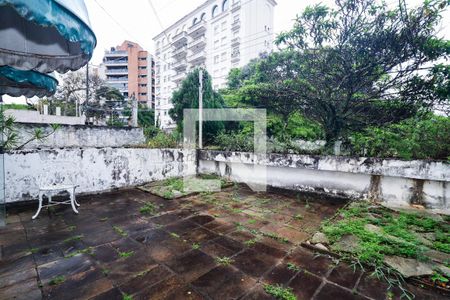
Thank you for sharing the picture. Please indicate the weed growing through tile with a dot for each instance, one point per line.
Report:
(125, 254)
(105, 272)
(298, 217)
(34, 250)
(89, 251)
(103, 219)
(224, 261)
(293, 267)
(148, 209)
(127, 297)
(72, 227)
(279, 292)
(174, 235)
(250, 243)
(73, 239)
(120, 231)
(57, 280)
(251, 221)
(195, 246)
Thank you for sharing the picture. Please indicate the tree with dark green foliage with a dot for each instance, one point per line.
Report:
(359, 65)
(187, 97)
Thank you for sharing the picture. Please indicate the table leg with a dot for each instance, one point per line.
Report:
(72, 200)
(40, 206)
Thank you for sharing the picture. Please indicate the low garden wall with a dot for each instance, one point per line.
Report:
(81, 136)
(92, 169)
(395, 182)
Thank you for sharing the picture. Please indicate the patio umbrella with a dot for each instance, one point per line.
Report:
(17, 83)
(45, 35)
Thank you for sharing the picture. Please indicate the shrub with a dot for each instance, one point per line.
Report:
(410, 139)
(163, 140)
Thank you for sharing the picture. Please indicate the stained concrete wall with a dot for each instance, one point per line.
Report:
(395, 182)
(32, 116)
(81, 136)
(93, 170)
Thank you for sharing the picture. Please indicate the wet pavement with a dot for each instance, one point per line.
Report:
(224, 245)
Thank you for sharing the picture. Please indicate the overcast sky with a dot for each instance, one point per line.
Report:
(114, 21)
(138, 23)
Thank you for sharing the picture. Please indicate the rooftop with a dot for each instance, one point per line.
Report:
(223, 245)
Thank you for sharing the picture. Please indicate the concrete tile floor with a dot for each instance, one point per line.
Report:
(111, 249)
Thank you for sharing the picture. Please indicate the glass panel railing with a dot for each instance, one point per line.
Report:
(2, 171)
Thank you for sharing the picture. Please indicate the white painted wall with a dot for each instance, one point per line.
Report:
(82, 136)
(94, 170)
(32, 116)
(344, 176)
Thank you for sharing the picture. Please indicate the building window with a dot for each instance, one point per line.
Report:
(216, 44)
(142, 58)
(143, 94)
(224, 41)
(225, 5)
(214, 11)
(224, 26)
(142, 68)
(194, 21)
(216, 29)
(216, 59)
(224, 56)
(203, 17)
(142, 76)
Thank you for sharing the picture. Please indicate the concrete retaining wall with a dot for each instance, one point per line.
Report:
(94, 170)
(395, 182)
(32, 116)
(81, 136)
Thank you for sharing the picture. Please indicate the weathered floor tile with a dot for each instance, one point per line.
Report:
(145, 279)
(64, 267)
(257, 293)
(317, 264)
(83, 285)
(280, 275)
(344, 275)
(304, 285)
(330, 291)
(192, 265)
(25, 290)
(224, 283)
(161, 290)
(254, 263)
(372, 287)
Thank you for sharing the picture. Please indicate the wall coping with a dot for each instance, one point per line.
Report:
(414, 169)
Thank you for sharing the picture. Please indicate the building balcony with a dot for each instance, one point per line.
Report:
(116, 53)
(198, 43)
(197, 29)
(179, 77)
(235, 56)
(179, 53)
(119, 62)
(179, 65)
(117, 79)
(236, 24)
(197, 57)
(235, 41)
(116, 71)
(179, 40)
(236, 5)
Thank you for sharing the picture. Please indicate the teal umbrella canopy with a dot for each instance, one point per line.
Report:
(45, 35)
(17, 83)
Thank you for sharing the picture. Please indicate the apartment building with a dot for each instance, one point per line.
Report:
(131, 70)
(218, 35)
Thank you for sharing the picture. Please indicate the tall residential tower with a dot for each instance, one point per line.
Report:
(218, 35)
(130, 69)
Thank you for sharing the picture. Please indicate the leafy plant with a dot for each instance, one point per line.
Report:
(148, 209)
(195, 246)
(120, 231)
(279, 292)
(125, 254)
(57, 280)
(73, 239)
(293, 267)
(224, 261)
